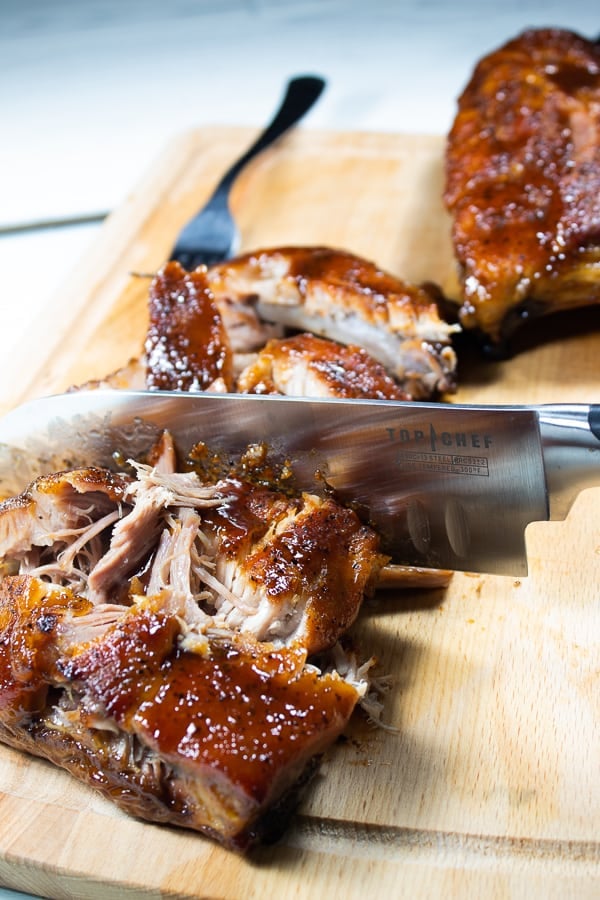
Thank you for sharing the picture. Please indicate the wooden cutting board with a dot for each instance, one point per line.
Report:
(489, 783)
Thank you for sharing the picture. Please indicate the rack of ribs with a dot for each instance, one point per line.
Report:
(523, 182)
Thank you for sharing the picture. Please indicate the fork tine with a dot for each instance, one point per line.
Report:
(190, 261)
(210, 235)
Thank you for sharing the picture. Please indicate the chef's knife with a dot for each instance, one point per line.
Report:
(446, 485)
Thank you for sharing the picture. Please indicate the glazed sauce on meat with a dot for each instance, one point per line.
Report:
(337, 269)
(523, 180)
(186, 346)
(29, 619)
(297, 552)
(336, 370)
(243, 517)
(238, 709)
(571, 78)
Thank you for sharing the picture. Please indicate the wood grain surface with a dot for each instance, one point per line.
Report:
(488, 781)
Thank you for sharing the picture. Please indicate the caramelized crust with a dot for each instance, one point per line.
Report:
(523, 181)
(346, 298)
(29, 620)
(204, 740)
(242, 710)
(300, 567)
(311, 366)
(187, 347)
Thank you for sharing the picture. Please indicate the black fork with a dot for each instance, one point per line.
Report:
(212, 235)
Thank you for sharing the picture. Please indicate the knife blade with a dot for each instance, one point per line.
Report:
(446, 485)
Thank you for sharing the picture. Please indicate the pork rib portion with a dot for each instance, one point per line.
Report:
(55, 525)
(292, 570)
(187, 347)
(207, 326)
(348, 299)
(158, 636)
(310, 366)
(208, 741)
(523, 181)
(285, 569)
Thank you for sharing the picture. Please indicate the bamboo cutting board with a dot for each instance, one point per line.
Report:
(489, 783)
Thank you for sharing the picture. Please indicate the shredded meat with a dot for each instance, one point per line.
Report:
(59, 511)
(158, 636)
(294, 570)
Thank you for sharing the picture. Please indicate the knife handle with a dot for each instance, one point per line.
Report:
(570, 436)
(594, 419)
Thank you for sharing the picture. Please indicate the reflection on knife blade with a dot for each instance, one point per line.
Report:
(446, 486)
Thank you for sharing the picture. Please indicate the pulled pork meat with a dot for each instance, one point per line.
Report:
(160, 636)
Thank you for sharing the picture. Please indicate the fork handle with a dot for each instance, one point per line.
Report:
(301, 93)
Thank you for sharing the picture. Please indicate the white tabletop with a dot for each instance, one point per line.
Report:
(91, 92)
